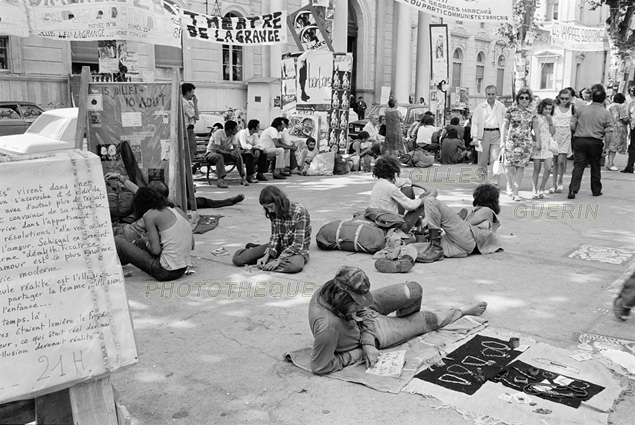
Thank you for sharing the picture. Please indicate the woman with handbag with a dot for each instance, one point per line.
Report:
(544, 147)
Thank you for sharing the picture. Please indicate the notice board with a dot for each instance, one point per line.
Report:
(64, 312)
(137, 114)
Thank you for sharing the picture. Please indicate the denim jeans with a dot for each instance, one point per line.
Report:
(138, 256)
(250, 256)
(405, 299)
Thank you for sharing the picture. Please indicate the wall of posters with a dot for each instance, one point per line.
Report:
(341, 88)
(439, 51)
(118, 56)
(466, 10)
(577, 37)
(238, 31)
(307, 28)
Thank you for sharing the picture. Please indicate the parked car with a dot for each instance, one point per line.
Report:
(411, 113)
(52, 130)
(17, 116)
(203, 126)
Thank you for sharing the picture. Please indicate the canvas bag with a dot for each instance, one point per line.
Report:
(354, 236)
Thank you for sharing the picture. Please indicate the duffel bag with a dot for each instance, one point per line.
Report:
(352, 236)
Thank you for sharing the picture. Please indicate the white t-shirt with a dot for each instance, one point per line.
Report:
(247, 141)
(424, 134)
(267, 136)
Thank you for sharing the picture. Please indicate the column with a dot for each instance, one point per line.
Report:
(403, 60)
(340, 26)
(423, 58)
(380, 29)
(275, 50)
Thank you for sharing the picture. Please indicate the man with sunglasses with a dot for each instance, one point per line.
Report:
(487, 128)
(591, 126)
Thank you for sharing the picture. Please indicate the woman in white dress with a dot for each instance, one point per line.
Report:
(563, 112)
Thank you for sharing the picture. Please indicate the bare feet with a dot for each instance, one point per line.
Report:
(474, 310)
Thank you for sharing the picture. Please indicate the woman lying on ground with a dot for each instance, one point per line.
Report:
(350, 323)
(288, 248)
(165, 252)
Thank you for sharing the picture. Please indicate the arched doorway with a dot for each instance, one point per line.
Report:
(351, 44)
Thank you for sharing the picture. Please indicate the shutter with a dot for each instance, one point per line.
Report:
(167, 57)
(84, 52)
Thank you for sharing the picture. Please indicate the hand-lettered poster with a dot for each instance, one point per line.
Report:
(577, 37)
(148, 21)
(307, 28)
(467, 10)
(128, 124)
(238, 31)
(439, 61)
(315, 72)
(65, 316)
(13, 18)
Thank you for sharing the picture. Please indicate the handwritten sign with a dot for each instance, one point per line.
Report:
(238, 31)
(577, 37)
(64, 313)
(466, 10)
(148, 21)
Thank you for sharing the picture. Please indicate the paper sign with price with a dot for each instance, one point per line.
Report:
(64, 314)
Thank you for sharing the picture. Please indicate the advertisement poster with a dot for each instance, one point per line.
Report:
(461, 97)
(326, 13)
(147, 21)
(308, 30)
(315, 72)
(466, 10)
(13, 19)
(130, 123)
(577, 37)
(118, 56)
(237, 31)
(341, 89)
(289, 81)
(439, 49)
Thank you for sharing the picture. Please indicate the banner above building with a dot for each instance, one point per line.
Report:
(576, 37)
(238, 31)
(148, 21)
(466, 10)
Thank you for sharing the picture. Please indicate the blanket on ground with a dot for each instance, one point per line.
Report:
(206, 223)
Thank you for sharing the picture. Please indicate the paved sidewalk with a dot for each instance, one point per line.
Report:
(211, 344)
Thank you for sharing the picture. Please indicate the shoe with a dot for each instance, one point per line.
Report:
(434, 252)
(627, 170)
(597, 194)
(296, 171)
(541, 194)
(222, 184)
(286, 173)
(244, 182)
(402, 265)
(261, 177)
(535, 196)
(552, 191)
(517, 198)
(238, 198)
(279, 176)
(619, 310)
(571, 195)
(612, 168)
(559, 189)
(252, 181)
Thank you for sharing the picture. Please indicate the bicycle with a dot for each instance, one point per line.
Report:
(235, 114)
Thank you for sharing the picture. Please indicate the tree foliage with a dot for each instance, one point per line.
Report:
(525, 21)
(620, 24)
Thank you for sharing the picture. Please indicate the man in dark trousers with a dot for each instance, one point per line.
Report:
(361, 108)
(591, 126)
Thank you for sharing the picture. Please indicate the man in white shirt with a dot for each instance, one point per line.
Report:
(271, 142)
(190, 109)
(372, 128)
(250, 152)
(222, 147)
(487, 130)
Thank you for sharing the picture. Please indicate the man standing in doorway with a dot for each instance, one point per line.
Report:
(487, 129)
(190, 108)
(361, 108)
(591, 126)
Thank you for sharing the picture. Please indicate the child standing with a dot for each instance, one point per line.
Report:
(543, 144)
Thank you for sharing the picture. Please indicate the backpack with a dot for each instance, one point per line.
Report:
(355, 236)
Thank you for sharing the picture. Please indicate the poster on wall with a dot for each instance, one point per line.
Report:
(439, 49)
(340, 106)
(288, 76)
(129, 126)
(307, 28)
(267, 29)
(466, 10)
(577, 37)
(326, 13)
(461, 97)
(315, 72)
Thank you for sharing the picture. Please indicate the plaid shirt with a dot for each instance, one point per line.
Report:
(291, 236)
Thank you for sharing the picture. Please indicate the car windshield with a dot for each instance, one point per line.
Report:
(416, 114)
(49, 126)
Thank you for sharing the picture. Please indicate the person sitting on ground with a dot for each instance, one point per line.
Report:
(312, 151)
(222, 147)
(134, 231)
(350, 323)
(271, 142)
(388, 192)
(288, 247)
(251, 152)
(453, 148)
(424, 134)
(165, 253)
(291, 164)
(363, 147)
(455, 123)
(455, 235)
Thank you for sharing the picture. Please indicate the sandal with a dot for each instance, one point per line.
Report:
(517, 198)
(535, 196)
(541, 194)
(552, 190)
(559, 189)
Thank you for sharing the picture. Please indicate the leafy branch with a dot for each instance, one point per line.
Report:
(619, 24)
